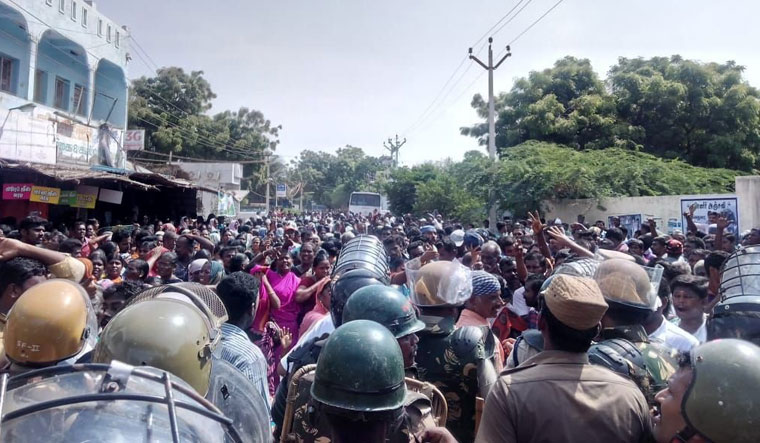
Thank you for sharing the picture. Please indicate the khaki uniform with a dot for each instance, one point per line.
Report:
(558, 396)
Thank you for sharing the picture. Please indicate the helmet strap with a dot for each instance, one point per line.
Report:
(685, 434)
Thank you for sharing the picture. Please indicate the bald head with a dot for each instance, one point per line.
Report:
(490, 254)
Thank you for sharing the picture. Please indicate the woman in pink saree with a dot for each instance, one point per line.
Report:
(277, 303)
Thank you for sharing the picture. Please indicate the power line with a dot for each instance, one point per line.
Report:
(510, 20)
(535, 22)
(425, 116)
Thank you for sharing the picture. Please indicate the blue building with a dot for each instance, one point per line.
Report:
(63, 83)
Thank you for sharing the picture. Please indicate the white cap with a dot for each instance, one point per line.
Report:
(457, 237)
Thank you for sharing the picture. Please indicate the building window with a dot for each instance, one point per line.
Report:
(40, 86)
(108, 34)
(79, 99)
(6, 74)
(100, 27)
(74, 11)
(61, 6)
(117, 39)
(84, 17)
(61, 93)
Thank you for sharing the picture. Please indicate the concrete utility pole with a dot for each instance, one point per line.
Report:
(491, 120)
(394, 148)
(267, 160)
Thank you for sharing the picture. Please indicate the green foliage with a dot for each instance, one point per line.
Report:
(535, 171)
(331, 178)
(703, 113)
(172, 108)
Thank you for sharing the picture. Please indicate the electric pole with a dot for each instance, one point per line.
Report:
(394, 148)
(491, 121)
(267, 160)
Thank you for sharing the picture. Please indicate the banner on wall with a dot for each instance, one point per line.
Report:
(43, 194)
(86, 197)
(723, 206)
(17, 191)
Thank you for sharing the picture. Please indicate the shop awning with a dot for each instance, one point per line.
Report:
(74, 174)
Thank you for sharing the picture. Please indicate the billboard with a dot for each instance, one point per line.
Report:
(282, 190)
(134, 140)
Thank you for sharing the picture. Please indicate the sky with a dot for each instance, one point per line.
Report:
(356, 72)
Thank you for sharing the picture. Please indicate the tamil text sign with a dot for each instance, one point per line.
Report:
(17, 191)
(707, 209)
(43, 194)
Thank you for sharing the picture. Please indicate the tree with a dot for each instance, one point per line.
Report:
(535, 171)
(565, 104)
(701, 112)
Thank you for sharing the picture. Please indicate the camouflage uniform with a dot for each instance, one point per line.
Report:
(309, 426)
(452, 370)
(661, 361)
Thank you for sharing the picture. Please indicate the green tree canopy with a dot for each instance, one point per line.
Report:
(703, 113)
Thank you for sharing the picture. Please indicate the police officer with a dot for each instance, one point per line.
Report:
(387, 306)
(713, 396)
(178, 333)
(307, 353)
(628, 291)
(557, 395)
(457, 361)
(737, 314)
(52, 323)
(360, 404)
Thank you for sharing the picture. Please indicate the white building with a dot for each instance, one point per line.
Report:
(63, 83)
(223, 177)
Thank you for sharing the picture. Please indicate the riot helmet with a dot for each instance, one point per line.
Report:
(737, 315)
(51, 322)
(626, 283)
(345, 285)
(442, 284)
(360, 369)
(167, 333)
(721, 402)
(114, 403)
(384, 305)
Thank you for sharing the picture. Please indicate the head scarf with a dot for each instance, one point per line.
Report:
(484, 283)
(217, 272)
(196, 265)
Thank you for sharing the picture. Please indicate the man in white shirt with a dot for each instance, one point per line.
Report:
(690, 297)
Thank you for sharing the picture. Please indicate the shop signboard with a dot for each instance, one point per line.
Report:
(17, 191)
(44, 194)
(68, 198)
(134, 140)
(110, 196)
(86, 197)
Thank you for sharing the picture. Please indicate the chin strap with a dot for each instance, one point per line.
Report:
(684, 435)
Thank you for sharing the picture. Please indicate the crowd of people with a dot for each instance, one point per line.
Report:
(376, 327)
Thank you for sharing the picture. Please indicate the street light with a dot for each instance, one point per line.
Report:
(23, 108)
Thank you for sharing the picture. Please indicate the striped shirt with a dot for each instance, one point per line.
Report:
(238, 350)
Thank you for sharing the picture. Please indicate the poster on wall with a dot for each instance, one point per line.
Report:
(707, 210)
(43, 194)
(17, 191)
(226, 204)
(110, 151)
(86, 197)
(631, 222)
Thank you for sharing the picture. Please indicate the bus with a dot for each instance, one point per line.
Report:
(365, 203)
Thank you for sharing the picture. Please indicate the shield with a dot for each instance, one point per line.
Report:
(240, 401)
(107, 403)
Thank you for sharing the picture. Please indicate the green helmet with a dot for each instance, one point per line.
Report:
(360, 369)
(166, 333)
(721, 402)
(384, 305)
